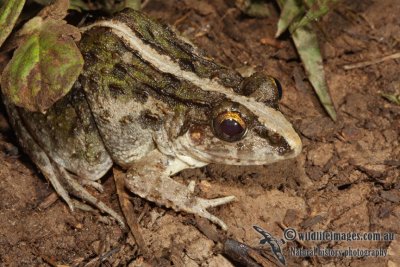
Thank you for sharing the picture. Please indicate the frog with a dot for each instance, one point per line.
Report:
(152, 103)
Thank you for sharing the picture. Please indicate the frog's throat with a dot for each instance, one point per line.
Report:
(275, 121)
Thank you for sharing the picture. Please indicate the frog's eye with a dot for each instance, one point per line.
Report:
(278, 86)
(229, 126)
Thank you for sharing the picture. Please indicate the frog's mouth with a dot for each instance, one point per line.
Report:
(249, 155)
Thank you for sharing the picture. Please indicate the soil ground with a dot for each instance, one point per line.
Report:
(345, 180)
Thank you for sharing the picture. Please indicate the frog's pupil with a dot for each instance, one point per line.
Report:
(231, 128)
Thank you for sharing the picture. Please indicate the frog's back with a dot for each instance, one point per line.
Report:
(130, 97)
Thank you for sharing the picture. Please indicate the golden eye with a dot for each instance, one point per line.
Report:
(229, 126)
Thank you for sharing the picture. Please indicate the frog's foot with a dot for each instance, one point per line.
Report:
(202, 204)
(150, 179)
(79, 191)
(167, 192)
(62, 181)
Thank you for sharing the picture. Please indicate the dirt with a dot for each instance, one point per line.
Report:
(345, 180)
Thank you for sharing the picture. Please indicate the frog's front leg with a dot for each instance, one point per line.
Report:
(150, 179)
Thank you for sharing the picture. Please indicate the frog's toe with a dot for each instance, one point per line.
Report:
(201, 205)
(92, 184)
(210, 203)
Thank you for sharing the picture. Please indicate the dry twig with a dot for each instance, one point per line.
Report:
(127, 210)
(371, 62)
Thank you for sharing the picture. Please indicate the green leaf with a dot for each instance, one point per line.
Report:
(317, 10)
(254, 8)
(309, 3)
(306, 42)
(134, 4)
(9, 13)
(44, 66)
(307, 46)
(43, 2)
(79, 5)
(290, 10)
(392, 98)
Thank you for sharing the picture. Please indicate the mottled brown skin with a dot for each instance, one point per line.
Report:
(125, 110)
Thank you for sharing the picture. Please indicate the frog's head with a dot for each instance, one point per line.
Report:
(244, 129)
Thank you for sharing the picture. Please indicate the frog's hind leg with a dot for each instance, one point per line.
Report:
(36, 154)
(59, 178)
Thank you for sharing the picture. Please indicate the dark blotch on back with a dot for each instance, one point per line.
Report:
(116, 90)
(186, 64)
(119, 71)
(141, 96)
(149, 120)
(90, 57)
